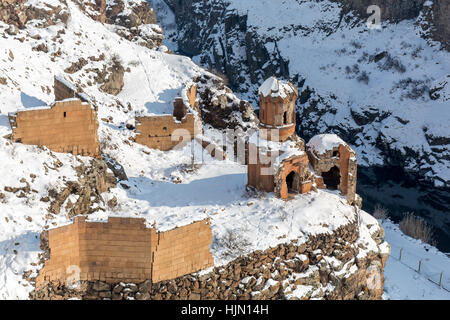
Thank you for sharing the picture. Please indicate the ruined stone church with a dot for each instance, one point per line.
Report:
(280, 162)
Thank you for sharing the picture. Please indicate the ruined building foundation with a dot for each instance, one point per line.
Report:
(66, 126)
(280, 162)
(124, 249)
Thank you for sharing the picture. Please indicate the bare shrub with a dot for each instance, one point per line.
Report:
(390, 62)
(417, 228)
(220, 74)
(363, 77)
(380, 213)
(356, 44)
(412, 89)
(235, 243)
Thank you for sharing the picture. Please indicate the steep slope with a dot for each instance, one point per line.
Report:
(124, 74)
(384, 91)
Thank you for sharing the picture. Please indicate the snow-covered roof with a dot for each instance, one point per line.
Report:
(276, 88)
(281, 150)
(322, 143)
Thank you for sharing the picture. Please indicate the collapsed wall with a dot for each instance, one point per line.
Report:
(335, 162)
(66, 126)
(124, 250)
(165, 132)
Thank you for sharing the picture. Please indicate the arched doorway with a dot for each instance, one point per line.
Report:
(332, 178)
(290, 182)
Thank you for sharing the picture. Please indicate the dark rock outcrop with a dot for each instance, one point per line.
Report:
(113, 83)
(134, 21)
(93, 180)
(18, 13)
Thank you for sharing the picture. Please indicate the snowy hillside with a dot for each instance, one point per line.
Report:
(152, 80)
(163, 187)
(402, 281)
(384, 90)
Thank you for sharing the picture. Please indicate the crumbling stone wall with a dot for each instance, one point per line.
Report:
(157, 132)
(191, 94)
(124, 250)
(248, 277)
(302, 181)
(344, 158)
(67, 126)
(165, 132)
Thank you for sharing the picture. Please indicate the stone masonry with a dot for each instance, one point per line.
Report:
(260, 275)
(165, 132)
(341, 158)
(295, 169)
(123, 249)
(66, 126)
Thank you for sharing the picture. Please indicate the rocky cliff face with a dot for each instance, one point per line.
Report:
(134, 21)
(398, 10)
(395, 10)
(366, 86)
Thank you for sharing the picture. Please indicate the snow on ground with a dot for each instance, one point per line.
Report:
(402, 282)
(23, 218)
(164, 186)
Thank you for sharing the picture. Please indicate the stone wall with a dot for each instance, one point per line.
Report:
(67, 126)
(124, 250)
(181, 251)
(255, 178)
(157, 132)
(287, 265)
(344, 158)
(302, 181)
(63, 90)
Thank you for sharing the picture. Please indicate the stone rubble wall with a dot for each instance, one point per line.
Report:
(124, 250)
(68, 126)
(307, 261)
(347, 164)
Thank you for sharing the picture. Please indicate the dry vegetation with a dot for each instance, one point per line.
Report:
(417, 228)
(380, 213)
